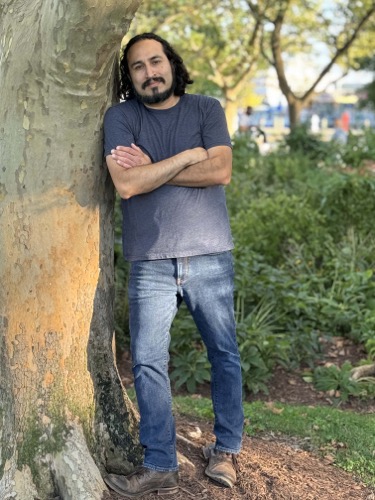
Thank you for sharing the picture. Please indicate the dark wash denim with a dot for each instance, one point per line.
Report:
(156, 289)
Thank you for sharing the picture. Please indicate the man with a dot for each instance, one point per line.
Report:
(169, 155)
(246, 125)
(244, 119)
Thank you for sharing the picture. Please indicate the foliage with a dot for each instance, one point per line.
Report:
(190, 369)
(304, 257)
(260, 345)
(347, 436)
(189, 363)
(302, 140)
(348, 202)
(270, 224)
(359, 147)
(369, 100)
(368, 63)
(219, 40)
(225, 42)
(338, 380)
(292, 25)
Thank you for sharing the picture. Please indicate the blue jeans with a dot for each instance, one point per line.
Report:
(156, 289)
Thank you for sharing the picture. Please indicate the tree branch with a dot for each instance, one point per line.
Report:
(341, 51)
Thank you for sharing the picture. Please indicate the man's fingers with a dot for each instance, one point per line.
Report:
(123, 151)
(137, 148)
(125, 160)
(130, 157)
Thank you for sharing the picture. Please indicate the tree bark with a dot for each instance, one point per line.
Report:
(295, 107)
(64, 415)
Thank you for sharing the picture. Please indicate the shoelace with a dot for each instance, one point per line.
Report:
(229, 455)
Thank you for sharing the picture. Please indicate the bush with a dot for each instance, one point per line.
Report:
(300, 139)
(304, 258)
(359, 148)
(339, 381)
(348, 201)
(270, 224)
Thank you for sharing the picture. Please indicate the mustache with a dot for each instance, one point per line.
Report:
(150, 80)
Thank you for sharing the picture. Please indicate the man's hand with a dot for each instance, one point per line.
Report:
(148, 176)
(130, 157)
(196, 155)
(206, 168)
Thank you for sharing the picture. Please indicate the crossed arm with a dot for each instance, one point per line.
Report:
(133, 173)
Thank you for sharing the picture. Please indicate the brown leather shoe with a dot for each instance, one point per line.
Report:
(142, 481)
(221, 467)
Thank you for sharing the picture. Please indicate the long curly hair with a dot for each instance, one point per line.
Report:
(181, 75)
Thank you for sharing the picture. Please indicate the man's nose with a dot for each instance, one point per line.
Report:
(149, 70)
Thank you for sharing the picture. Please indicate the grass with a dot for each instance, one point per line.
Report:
(347, 438)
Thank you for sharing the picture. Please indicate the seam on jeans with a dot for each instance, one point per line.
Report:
(170, 430)
(228, 450)
(160, 469)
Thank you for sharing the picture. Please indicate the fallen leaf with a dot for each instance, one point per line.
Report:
(271, 406)
(329, 459)
(195, 434)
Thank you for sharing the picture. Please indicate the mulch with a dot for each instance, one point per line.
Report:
(270, 467)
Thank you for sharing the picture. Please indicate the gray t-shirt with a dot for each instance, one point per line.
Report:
(171, 221)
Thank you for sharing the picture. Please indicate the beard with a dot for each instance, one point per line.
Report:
(157, 96)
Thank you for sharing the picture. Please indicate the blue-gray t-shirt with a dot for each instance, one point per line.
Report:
(171, 221)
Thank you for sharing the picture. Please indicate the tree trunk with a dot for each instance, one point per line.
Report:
(64, 415)
(231, 97)
(231, 112)
(294, 110)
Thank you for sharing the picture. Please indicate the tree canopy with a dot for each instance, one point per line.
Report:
(225, 42)
(327, 34)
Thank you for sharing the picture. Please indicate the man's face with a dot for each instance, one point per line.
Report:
(150, 72)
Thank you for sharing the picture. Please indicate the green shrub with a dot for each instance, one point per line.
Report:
(300, 139)
(339, 381)
(359, 148)
(190, 368)
(348, 201)
(189, 363)
(304, 257)
(269, 224)
(261, 346)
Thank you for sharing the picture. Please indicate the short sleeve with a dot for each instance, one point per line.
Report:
(117, 129)
(214, 127)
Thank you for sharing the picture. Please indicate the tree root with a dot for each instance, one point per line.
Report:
(363, 371)
(74, 470)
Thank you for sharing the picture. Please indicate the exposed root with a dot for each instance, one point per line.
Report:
(363, 371)
(74, 470)
(182, 438)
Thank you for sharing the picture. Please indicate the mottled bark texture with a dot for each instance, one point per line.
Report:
(64, 416)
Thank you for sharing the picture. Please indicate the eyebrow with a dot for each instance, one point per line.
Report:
(141, 61)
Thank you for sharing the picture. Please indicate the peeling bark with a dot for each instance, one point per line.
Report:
(62, 406)
(76, 478)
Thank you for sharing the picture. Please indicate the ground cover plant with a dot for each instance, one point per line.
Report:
(304, 258)
(342, 437)
(304, 255)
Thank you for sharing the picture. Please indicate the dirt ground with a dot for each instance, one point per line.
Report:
(270, 467)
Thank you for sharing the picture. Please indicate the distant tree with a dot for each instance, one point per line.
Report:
(323, 31)
(64, 415)
(368, 63)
